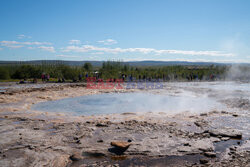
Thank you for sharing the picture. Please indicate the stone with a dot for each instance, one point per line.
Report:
(22, 119)
(200, 123)
(203, 161)
(100, 141)
(225, 138)
(154, 137)
(185, 149)
(60, 161)
(204, 145)
(203, 114)
(226, 133)
(206, 135)
(210, 154)
(120, 144)
(215, 139)
(197, 124)
(119, 147)
(232, 149)
(224, 112)
(235, 115)
(75, 156)
(101, 125)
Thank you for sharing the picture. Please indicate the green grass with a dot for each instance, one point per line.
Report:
(9, 80)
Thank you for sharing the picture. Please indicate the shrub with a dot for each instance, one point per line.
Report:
(4, 73)
(27, 71)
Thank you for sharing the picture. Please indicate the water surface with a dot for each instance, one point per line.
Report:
(128, 102)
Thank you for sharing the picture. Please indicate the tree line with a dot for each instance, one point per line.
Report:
(114, 70)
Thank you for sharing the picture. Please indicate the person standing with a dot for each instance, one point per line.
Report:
(47, 77)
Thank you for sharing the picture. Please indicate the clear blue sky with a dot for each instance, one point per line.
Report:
(191, 30)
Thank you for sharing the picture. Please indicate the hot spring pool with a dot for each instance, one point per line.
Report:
(128, 102)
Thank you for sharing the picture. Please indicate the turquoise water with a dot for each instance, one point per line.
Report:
(128, 102)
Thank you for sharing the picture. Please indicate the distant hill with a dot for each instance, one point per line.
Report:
(49, 62)
(99, 63)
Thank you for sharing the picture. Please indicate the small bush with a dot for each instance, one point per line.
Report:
(4, 73)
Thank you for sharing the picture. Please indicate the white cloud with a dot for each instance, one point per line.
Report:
(74, 42)
(108, 42)
(192, 60)
(16, 44)
(8, 43)
(89, 48)
(21, 36)
(36, 43)
(67, 56)
(195, 53)
(24, 43)
(47, 48)
(98, 53)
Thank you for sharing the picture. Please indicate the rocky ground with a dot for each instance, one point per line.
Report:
(33, 138)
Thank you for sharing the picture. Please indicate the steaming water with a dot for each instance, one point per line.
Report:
(226, 86)
(196, 97)
(128, 102)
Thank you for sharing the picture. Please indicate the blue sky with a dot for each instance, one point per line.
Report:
(169, 30)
